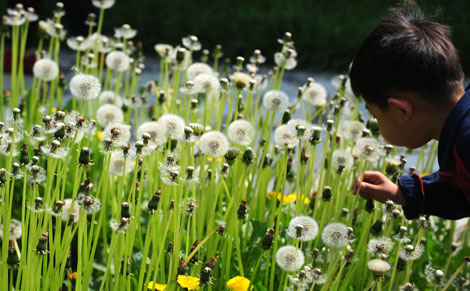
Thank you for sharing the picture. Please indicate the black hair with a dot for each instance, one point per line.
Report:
(407, 52)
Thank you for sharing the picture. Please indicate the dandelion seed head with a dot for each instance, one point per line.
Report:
(315, 94)
(108, 114)
(367, 148)
(284, 137)
(241, 80)
(84, 86)
(378, 266)
(119, 165)
(125, 31)
(117, 132)
(45, 70)
(289, 258)
(293, 124)
(197, 69)
(276, 100)
(103, 4)
(151, 128)
(213, 144)
(408, 287)
(109, 97)
(379, 246)
(335, 235)
(240, 132)
(303, 228)
(15, 229)
(75, 215)
(281, 59)
(206, 83)
(342, 159)
(411, 253)
(352, 130)
(88, 203)
(117, 61)
(171, 126)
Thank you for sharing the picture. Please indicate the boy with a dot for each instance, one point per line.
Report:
(409, 74)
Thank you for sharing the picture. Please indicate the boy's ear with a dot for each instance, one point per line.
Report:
(403, 106)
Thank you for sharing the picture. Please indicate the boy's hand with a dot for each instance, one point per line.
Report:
(378, 187)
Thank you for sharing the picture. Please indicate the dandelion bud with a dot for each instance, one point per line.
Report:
(41, 247)
(194, 104)
(422, 221)
(188, 132)
(138, 147)
(351, 235)
(3, 179)
(182, 267)
(389, 206)
(316, 135)
(376, 228)
(38, 203)
(373, 125)
(388, 149)
(221, 228)
(153, 203)
(287, 37)
(172, 205)
(267, 241)
(370, 205)
(125, 149)
(125, 210)
(169, 250)
(344, 212)
(205, 276)
(248, 156)
(58, 206)
(16, 113)
(408, 287)
(365, 132)
(242, 209)
(13, 261)
(15, 169)
(224, 170)
(191, 208)
(326, 195)
(47, 120)
(395, 213)
(231, 155)
(336, 110)
(411, 170)
(286, 116)
(329, 125)
(194, 258)
(467, 259)
(304, 157)
(180, 55)
(84, 158)
(454, 246)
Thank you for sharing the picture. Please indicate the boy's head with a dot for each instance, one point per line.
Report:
(405, 69)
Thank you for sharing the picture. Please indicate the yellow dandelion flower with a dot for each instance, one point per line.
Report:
(286, 199)
(156, 286)
(293, 197)
(54, 110)
(98, 134)
(209, 159)
(238, 283)
(188, 282)
(197, 142)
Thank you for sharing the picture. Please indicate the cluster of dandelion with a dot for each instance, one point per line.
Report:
(210, 177)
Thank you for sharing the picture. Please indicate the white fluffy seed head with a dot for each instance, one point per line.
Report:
(411, 253)
(109, 113)
(240, 132)
(294, 123)
(15, 229)
(343, 159)
(117, 61)
(276, 100)
(284, 137)
(303, 228)
(206, 83)
(66, 210)
(379, 246)
(197, 69)
(119, 133)
(213, 144)
(171, 126)
(84, 86)
(109, 97)
(315, 94)
(352, 130)
(152, 129)
(289, 258)
(335, 235)
(378, 266)
(45, 70)
(103, 4)
(119, 166)
(367, 148)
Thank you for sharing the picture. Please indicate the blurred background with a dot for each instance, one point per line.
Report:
(327, 33)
